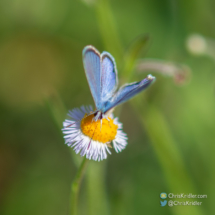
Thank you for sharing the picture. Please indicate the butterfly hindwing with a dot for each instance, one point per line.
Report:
(128, 91)
(109, 79)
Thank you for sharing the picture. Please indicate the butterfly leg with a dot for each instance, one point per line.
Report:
(97, 116)
(106, 117)
(101, 125)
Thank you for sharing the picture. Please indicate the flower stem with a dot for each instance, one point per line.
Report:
(76, 186)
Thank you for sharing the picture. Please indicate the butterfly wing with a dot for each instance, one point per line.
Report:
(128, 91)
(101, 73)
(92, 67)
(109, 79)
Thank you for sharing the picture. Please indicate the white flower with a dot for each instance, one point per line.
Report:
(92, 138)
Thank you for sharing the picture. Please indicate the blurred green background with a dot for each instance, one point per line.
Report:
(170, 127)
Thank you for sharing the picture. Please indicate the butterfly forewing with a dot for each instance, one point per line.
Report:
(92, 67)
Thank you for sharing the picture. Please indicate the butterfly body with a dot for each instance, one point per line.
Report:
(98, 115)
(101, 73)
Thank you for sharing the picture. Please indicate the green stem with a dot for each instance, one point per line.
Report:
(76, 186)
(167, 152)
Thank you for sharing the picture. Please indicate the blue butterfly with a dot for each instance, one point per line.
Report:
(101, 73)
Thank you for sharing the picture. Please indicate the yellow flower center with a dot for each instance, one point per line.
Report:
(103, 133)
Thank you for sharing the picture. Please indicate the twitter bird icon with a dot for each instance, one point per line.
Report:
(163, 203)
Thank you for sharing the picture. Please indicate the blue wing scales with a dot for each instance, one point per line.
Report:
(128, 91)
(92, 67)
(109, 79)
